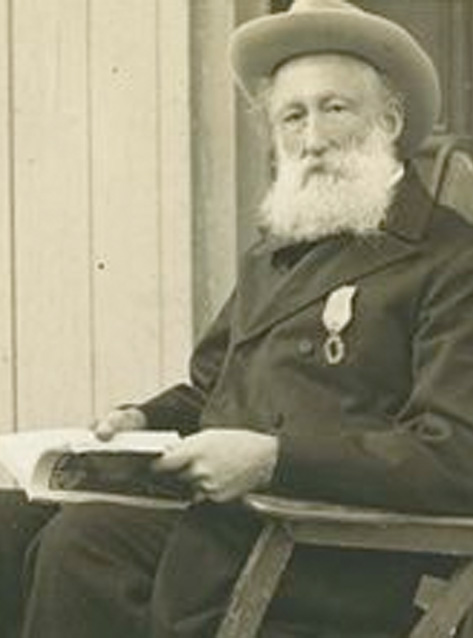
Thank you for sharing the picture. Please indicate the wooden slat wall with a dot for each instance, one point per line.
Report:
(49, 128)
(124, 199)
(214, 186)
(6, 231)
(252, 147)
(175, 187)
(118, 208)
(229, 166)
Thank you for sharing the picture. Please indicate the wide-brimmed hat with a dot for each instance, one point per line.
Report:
(259, 47)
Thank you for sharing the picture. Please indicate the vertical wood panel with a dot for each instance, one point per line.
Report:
(175, 207)
(6, 336)
(51, 211)
(252, 146)
(125, 199)
(213, 157)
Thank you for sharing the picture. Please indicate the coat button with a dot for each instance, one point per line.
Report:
(305, 347)
(433, 429)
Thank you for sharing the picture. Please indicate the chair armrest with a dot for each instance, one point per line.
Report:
(347, 526)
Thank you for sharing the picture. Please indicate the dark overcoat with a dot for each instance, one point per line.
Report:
(391, 423)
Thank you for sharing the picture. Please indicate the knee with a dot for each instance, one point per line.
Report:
(20, 521)
(74, 535)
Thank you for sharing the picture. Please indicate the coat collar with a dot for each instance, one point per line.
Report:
(329, 264)
(410, 213)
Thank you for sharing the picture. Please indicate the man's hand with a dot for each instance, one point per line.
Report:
(119, 421)
(222, 464)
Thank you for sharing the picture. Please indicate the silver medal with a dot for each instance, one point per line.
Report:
(336, 316)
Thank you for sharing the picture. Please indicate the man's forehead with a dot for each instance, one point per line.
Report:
(325, 70)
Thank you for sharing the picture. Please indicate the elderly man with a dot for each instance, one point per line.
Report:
(339, 369)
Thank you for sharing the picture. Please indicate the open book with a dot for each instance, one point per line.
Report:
(72, 465)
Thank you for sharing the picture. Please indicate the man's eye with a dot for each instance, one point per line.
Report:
(336, 107)
(292, 117)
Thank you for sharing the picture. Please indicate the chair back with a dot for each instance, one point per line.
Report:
(446, 167)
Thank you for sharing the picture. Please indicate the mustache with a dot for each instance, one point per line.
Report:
(323, 167)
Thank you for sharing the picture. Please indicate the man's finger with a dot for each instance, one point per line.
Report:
(104, 430)
(171, 461)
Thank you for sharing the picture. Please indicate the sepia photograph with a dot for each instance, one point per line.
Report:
(236, 319)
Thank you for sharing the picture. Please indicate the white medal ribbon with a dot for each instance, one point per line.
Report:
(336, 316)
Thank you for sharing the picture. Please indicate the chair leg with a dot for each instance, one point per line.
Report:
(446, 613)
(257, 583)
(466, 629)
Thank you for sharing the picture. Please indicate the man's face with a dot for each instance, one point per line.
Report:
(323, 104)
(334, 128)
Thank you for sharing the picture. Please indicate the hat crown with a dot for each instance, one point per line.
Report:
(301, 6)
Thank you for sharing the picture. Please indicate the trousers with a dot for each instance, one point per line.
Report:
(19, 523)
(103, 571)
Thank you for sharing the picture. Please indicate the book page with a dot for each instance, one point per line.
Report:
(20, 453)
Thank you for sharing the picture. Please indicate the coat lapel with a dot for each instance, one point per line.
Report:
(337, 261)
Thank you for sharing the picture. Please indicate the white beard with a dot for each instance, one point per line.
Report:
(346, 190)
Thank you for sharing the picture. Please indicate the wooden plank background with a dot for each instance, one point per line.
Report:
(49, 164)
(6, 230)
(119, 171)
(124, 199)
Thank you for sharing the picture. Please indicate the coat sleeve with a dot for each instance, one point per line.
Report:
(179, 407)
(423, 459)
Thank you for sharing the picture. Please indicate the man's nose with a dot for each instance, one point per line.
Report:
(316, 139)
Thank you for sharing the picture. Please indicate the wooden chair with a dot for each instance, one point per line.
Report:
(447, 170)
(289, 522)
(446, 167)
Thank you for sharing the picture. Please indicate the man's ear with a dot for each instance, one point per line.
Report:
(392, 121)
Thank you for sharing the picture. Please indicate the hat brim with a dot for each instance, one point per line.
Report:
(258, 47)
